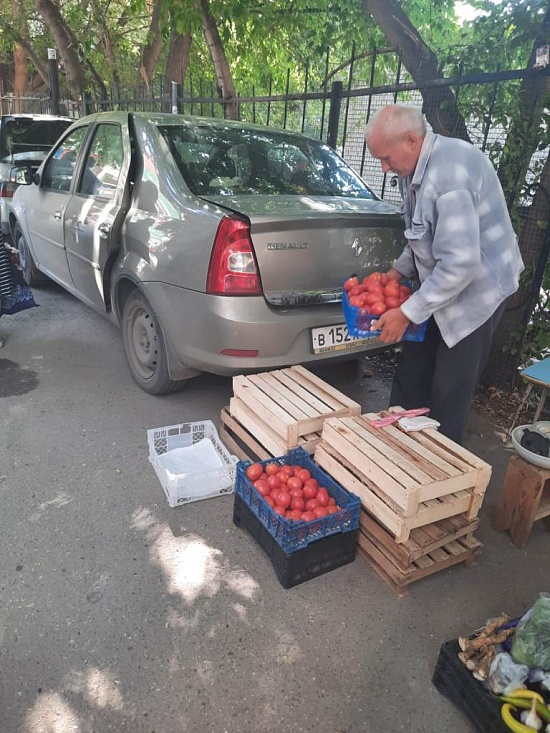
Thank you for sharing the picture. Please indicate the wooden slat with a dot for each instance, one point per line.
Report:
(396, 458)
(422, 568)
(266, 409)
(369, 499)
(233, 431)
(372, 466)
(257, 427)
(297, 406)
(422, 540)
(310, 396)
(327, 393)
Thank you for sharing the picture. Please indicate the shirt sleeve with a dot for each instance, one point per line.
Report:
(405, 263)
(456, 250)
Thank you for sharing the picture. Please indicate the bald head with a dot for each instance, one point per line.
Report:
(395, 135)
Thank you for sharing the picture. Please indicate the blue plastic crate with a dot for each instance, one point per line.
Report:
(359, 323)
(291, 535)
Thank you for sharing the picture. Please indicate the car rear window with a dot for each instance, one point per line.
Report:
(25, 135)
(220, 160)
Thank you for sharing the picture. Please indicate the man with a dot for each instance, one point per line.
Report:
(463, 250)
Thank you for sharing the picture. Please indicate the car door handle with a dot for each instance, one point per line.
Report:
(104, 230)
(57, 215)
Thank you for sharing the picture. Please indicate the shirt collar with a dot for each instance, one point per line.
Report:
(423, 158)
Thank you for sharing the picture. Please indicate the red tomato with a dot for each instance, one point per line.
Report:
(296, 515)
(357, 290)
(294, 482)
(350, 282)
(296, 502)
(404, 290)
(269, 501)
(283, 499)
(378, 308)
(354, 301)
(310, 491)
(308, 517)
(392, 302)
(331, 509)
(303, 474)
(262, 486)
(296, 493)
(362, 301)
(273, 481)
(312, 482)
(311, 504)
(254, 471)
(372, 298)
(322, 496)
(384, 279)
(320, 511)
(272, 468)
(274, 494)
(331, 501)
(280, 510)
(392, 289)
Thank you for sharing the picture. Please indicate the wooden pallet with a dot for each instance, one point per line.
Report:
(405, 480)
(462, 550)
(422, 541)
(286, 408)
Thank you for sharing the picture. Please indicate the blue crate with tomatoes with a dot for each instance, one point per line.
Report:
(293, 568)
(364, 301)
(295, 500)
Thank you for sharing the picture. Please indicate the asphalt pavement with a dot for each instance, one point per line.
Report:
(119, 613)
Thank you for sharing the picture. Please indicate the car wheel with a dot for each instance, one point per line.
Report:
(144, 347)
(31, 273)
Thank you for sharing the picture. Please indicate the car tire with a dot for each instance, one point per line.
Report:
(144, 347)
(31, 274)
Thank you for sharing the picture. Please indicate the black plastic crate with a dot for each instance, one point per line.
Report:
(457, 683)
(321, 556)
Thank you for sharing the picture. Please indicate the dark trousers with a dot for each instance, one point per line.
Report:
(430, 374)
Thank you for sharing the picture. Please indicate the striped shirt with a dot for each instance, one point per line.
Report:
(460, 240)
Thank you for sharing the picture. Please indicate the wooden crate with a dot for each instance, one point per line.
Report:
(464, 549)
(286, 408)
(239, 441)
(405, 480)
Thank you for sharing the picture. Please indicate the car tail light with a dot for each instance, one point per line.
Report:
(7, 190)
(233, 269)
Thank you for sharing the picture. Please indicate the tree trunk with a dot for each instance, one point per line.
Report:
(219, 59)
(153, 47)
(106, 43)
(20, 78)
(439, 103)
(178, 58)
(62, 36)
(501, 370)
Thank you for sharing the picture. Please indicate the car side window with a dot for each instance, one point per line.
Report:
(101, 170)
(60, 168)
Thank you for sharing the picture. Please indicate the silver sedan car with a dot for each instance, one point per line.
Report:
(217, 246)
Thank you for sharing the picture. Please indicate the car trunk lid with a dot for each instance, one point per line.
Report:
(306, 247)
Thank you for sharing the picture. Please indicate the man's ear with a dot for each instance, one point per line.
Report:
(412, 140)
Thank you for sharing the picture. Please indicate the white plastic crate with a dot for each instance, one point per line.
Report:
(191, 462)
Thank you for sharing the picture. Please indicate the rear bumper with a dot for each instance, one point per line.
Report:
(199, 327)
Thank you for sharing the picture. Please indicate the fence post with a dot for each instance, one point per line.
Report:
(54, 80)
(174, 97)
(334, 114)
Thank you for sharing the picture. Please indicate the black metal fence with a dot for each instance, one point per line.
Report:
(335, 105)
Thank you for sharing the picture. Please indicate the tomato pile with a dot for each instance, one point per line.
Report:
(291, 491)
(376, 293)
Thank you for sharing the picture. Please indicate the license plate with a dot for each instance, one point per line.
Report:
(335, 338)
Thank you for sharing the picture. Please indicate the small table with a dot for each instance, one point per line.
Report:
(537, 374)
(525, 498)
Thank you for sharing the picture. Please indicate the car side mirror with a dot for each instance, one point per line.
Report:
(21, 175)
(36, 179)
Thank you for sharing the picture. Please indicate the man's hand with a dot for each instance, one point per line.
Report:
(392, 324)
